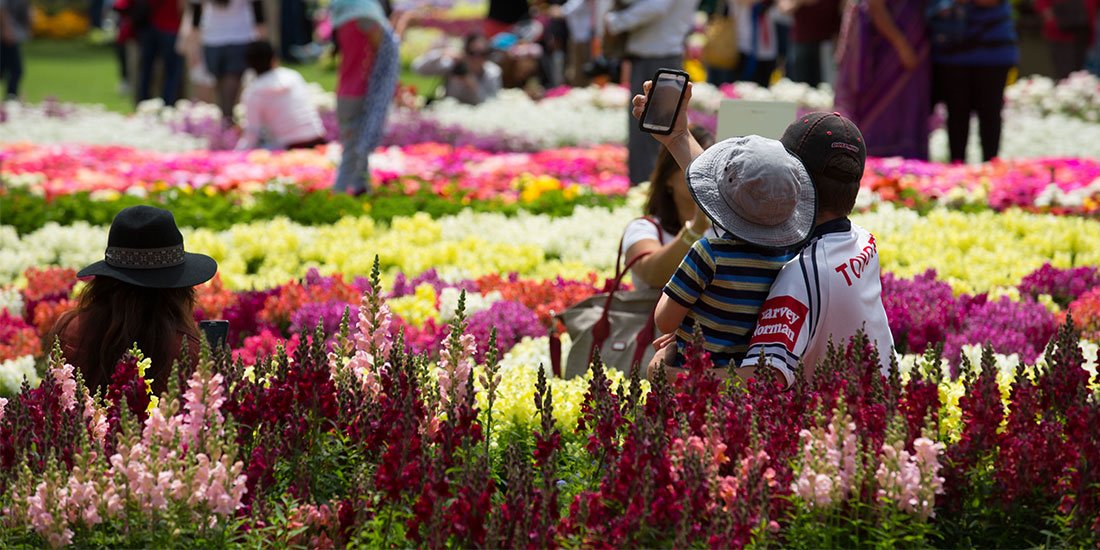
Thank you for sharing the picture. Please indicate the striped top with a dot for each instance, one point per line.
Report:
(724, 282)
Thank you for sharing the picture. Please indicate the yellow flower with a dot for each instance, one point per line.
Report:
(418, 308)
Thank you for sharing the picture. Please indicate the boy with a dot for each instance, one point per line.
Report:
(762, 200)
(277, 105)
(832, 288)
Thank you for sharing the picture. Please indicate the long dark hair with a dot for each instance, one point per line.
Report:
(660, 203)
(115, 315)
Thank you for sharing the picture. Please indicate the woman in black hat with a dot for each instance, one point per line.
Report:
(142, 292)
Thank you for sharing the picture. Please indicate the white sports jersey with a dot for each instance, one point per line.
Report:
(829, 291)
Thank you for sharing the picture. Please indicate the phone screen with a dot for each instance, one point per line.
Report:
(664, 102)
(216, 332)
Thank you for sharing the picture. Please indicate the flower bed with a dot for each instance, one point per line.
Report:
(462, 172)
(973, 252)
(217, 189)
(356, 442)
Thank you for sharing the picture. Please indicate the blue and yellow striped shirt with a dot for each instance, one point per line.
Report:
(724, 281)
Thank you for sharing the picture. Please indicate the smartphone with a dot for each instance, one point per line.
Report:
(663, 103)
(216, 332)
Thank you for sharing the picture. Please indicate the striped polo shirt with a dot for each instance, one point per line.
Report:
(724, 281)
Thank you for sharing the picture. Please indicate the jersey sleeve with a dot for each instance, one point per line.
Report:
(782, 332)
(694, 274)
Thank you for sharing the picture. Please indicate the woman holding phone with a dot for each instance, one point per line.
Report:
(141, 292)
(672, 222)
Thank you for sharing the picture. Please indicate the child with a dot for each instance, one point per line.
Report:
(833, 288)
(277, 105)
(762, 201)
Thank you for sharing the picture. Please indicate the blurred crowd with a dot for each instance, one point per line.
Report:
(889, 61)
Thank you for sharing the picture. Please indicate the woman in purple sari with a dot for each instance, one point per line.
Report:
(884, 75)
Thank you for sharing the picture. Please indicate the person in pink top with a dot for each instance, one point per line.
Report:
(365, 86)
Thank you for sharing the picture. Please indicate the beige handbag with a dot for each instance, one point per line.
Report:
(617, 322)
(720, 49)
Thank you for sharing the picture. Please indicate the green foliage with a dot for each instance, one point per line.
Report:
(27, 212)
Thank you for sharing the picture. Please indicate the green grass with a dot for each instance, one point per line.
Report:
(78, 71)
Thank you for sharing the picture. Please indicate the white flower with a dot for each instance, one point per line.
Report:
(12, 300)
(93, 124)
(14, 371)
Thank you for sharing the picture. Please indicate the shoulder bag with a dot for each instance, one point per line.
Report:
(617, 322)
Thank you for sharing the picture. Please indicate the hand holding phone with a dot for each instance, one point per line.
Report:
(663, 102)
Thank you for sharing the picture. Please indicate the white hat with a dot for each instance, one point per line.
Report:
(755, 189)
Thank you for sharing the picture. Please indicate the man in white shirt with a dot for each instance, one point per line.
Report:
(656, 30)
(832, 288)
(279, 111)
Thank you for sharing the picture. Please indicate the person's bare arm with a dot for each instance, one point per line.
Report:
(680, 143)
(885, 25)
(669, 314)
(657, 268)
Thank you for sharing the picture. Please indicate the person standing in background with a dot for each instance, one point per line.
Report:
(1069, 27)
(125, 33)
(226, 28)
(158, 42)
(365, 86)
(584, 19)
(504, 14)
(1092, 60)
(295, 28)
(15, 28)
(655, 30)
(971, 69)
(884, 78)
(757, 38)
(816, 23)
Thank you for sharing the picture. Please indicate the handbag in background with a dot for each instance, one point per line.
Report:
(720, 50)
(617, 322)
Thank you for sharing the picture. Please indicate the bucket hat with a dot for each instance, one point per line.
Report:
(755, 189)
(145, 248)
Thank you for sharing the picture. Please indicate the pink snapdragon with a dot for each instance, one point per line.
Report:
(911, 480)
(828, 462)
(204, 396)
(373, 342)
(63, 377)
(45, 511)
(96, 418)
(455, 366)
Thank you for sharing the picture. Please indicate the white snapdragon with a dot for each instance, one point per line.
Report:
(14, 371)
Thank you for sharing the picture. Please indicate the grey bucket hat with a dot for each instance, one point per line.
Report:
(755, 189)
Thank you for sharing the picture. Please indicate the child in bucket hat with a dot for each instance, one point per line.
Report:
(762, 201)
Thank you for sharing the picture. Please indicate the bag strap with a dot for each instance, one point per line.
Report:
(619, 252)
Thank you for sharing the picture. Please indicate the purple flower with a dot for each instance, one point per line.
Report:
(402, 286)
(1008, 326)
(329, 313)
(921, 310)
(1064, 285)
(512, 320)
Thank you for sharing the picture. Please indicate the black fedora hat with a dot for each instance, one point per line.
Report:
(145, 248)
